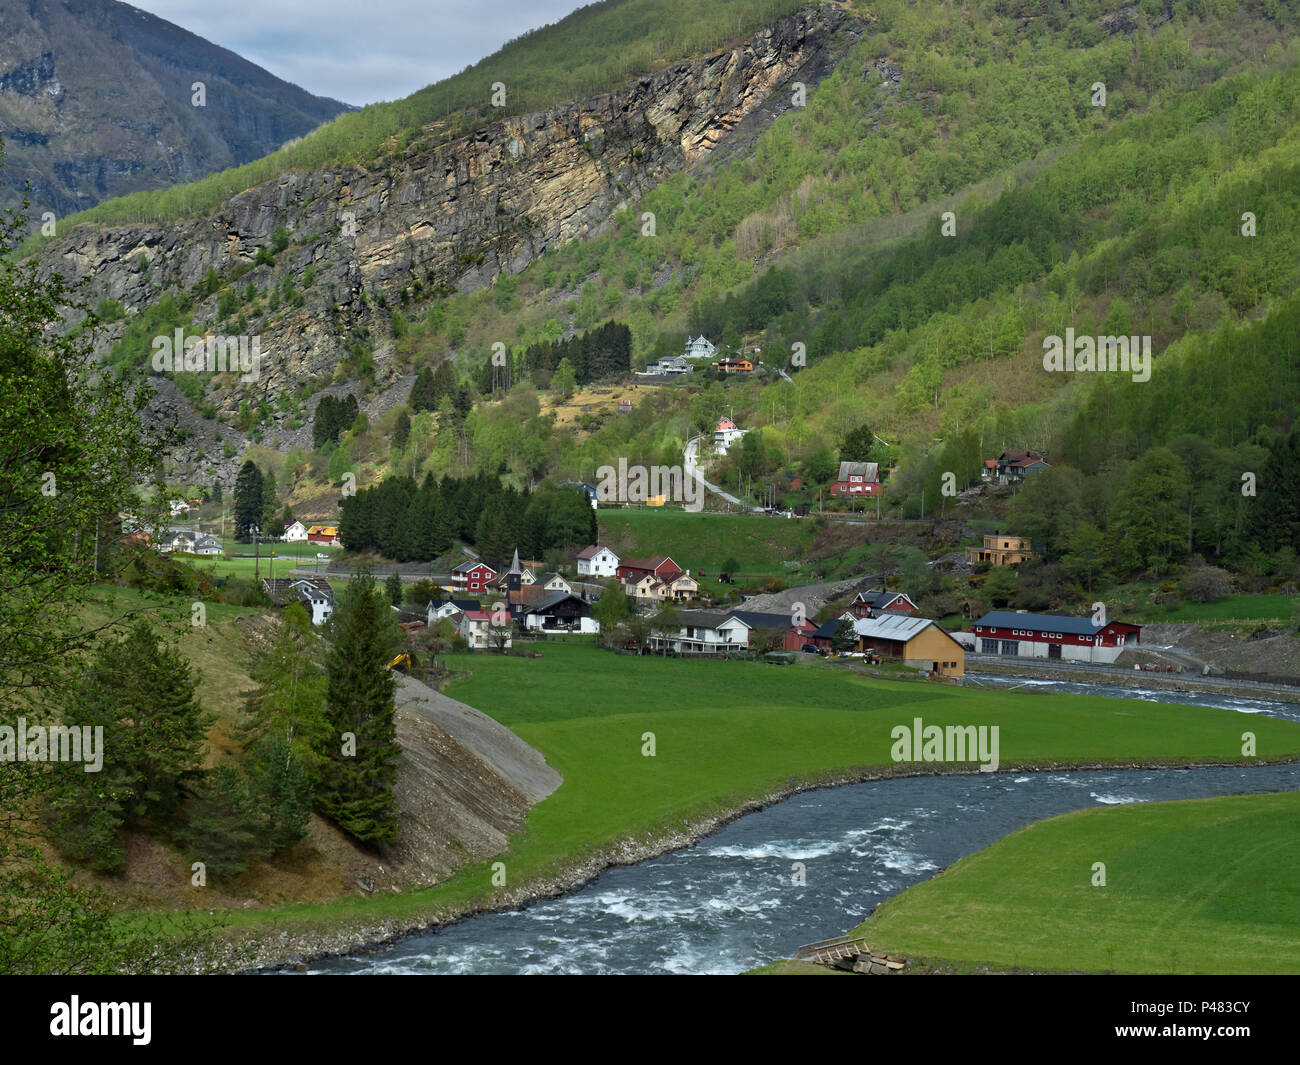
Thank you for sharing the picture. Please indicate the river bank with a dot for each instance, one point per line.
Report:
(273, 949)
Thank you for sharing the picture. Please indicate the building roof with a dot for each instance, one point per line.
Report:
(828, 628)
(756, 620)
(594, 550)
(459, 604)
(899, 627)
(282, 590)
(1020, 458)
(703, 619)
(1011, 619)
(869, 471)
(472, 564)
(878, 598)
(892, 627)
(649, 563)
(548, 602)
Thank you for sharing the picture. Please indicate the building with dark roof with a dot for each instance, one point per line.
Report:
(1054, 636)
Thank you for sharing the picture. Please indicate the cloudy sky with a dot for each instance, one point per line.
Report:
(361, 52)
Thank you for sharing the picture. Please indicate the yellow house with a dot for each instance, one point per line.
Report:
(917, 642)
(1001, 550)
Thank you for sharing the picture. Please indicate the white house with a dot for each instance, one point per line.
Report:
(699, 348)
(554, 582)
(319, 603)
(474, 626)
(725, 434)
(207, 544)
(295, 533)
(448, 608)
(597, 561)
(314, 593)
(706, 632)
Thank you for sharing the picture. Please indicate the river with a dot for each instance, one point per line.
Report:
(732, 901)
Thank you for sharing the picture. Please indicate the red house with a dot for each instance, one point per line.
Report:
(857, 479)
(472, 576)
(798, 635)
(661, 567)
(873, 602)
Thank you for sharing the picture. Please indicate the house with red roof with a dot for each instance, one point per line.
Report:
(474, 625)
(661, 567)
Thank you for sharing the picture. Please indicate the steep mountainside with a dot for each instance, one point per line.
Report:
(96, 101)
(446, 215)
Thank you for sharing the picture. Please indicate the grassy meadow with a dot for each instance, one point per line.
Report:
(725, 732)
(1199, 886)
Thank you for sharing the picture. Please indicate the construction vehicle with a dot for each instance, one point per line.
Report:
(406, 662)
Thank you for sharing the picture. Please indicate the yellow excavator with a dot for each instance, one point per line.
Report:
(406, 662)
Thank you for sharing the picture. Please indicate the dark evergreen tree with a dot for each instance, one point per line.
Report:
(1275, 516)
(142, 693)
(856, 446)
(248, 501)
(359, 766)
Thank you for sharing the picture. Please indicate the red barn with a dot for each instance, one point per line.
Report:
(1009, 632)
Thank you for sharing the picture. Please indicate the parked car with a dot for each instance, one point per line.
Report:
(813, 649)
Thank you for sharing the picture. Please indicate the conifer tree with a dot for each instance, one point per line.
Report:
(359, 760)
(248, 501)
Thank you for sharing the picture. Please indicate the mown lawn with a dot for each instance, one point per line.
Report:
(728, 731)
(1199, 886)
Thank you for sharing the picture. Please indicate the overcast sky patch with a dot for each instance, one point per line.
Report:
(361, 53)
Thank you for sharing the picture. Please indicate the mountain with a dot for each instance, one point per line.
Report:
(96, 101)
(319, 255)
(950, 190)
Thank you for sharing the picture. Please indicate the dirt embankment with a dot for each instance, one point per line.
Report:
(466, 784)
(1272, 651)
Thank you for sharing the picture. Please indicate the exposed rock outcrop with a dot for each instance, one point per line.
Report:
(443, 214)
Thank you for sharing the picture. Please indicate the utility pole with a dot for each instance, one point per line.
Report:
(254, 529)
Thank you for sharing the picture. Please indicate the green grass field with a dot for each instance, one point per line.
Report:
(730, 731)
(1201, 886)
(1277, 608)
(285, 558)
(704, 541)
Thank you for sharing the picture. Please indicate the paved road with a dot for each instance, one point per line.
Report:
(693, 470)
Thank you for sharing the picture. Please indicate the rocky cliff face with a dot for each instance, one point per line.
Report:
(96, 101)
(450, 214)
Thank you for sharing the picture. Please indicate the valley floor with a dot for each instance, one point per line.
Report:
(656, 753)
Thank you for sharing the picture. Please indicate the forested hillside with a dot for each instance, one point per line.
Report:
(962, 185)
